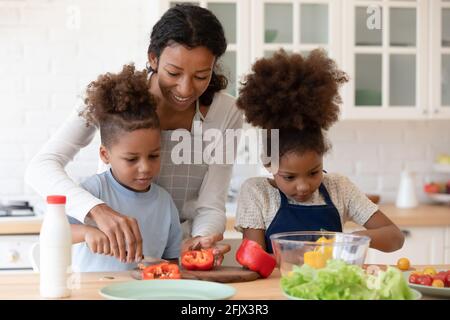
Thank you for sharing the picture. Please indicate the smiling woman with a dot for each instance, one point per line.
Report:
(185, 45)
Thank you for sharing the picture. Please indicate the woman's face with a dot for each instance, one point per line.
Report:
(299, 175)
(183, 74)
(134, 158)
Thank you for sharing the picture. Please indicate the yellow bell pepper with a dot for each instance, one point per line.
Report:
(314, 259)
(319, 256)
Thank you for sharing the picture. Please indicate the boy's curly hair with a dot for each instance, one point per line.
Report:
(298, 95)
(120, 102)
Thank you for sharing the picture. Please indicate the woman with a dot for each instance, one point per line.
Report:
(185, 45)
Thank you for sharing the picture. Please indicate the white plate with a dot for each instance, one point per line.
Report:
(428, 290)
(168, 290)
(440, 197)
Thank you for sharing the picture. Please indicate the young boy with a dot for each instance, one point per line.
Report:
(121, 106)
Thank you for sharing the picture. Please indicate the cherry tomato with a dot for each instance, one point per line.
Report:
(447, 279)
(430, 271)
(413, 278)
(425, 280)
(437, 283)
(440, 276)
(403, 264)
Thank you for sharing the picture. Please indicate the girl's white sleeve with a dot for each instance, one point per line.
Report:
(46, 172)
(210, 215)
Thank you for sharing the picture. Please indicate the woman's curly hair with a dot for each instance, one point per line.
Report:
(295, 94)
(120, 102)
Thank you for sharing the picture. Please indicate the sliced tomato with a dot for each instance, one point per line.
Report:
(202, 259)
(163, 270)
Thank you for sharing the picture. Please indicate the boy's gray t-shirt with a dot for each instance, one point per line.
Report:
(156, 215)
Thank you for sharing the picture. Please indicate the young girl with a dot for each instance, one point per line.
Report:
(299, 96)
(122, 107)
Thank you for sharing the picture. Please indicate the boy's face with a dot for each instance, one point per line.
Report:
(134, 158)
(299, 175)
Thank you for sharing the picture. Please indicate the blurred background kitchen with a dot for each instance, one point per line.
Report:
(395, 116)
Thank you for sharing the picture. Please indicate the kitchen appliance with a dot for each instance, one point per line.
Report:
(15, 241)
(14, 251)
(16, 208)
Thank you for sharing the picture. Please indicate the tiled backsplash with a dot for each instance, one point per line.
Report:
(49, 53)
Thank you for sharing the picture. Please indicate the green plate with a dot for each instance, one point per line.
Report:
(416, 295)
(167, 290)
(428, 290)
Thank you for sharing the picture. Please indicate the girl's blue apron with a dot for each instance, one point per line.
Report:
(294, 217)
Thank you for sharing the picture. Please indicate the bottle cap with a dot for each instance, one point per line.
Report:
(56, 199)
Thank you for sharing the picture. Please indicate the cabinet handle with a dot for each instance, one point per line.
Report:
(406, 233)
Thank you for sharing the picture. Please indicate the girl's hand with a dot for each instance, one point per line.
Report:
(207, 242)
(97, 241)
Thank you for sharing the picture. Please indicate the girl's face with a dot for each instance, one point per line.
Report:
(299, 175)
(183, 74)
(134, 158)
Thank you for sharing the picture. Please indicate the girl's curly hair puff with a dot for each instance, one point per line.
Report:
(120, 102)
(298, 95)
(290, 91)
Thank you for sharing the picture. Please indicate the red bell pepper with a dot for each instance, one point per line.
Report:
(252, 256)
(202, 259)
(162, 270)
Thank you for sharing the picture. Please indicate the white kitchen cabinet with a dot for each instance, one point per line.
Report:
(396, 52)
(423, 245)
(440, 58)
(386, 57)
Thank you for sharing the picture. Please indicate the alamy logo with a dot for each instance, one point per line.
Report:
(373, 21)
(73, 21)
(213, 146)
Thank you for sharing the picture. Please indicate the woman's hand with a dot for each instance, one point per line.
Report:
(96, 240)
(123, 233)
(207, 242)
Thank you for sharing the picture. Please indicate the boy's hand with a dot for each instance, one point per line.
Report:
(206, 242)
(125, 240)
(97, 241)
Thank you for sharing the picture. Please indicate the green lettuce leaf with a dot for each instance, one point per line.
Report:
(341, 281)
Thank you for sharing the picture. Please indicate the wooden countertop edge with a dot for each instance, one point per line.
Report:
(20, 227)
(422, 216)
(26, 286)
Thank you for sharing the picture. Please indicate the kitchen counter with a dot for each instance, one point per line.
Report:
(425, 215)
(26, 286)
(20, 225)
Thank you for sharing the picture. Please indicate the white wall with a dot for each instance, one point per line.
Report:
(49, 51)
(47, 59)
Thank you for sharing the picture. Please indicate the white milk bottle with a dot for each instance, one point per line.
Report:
(55, 242)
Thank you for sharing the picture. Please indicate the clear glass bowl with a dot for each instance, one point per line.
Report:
(297, 248)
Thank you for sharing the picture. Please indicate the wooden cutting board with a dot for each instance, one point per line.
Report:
(218, 274)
